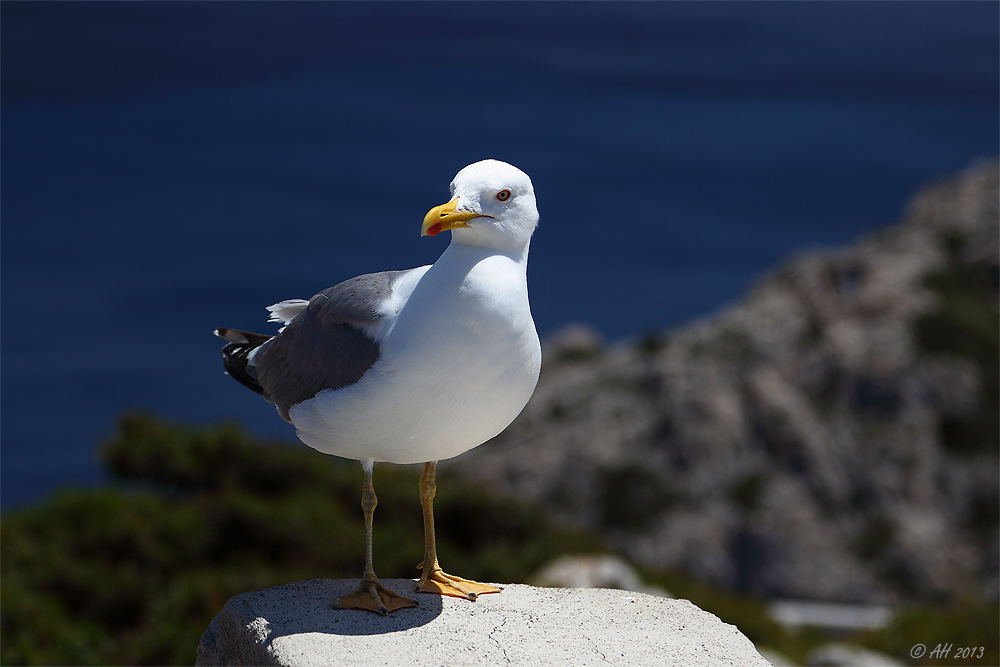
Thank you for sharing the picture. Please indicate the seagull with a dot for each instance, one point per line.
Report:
(412, 366)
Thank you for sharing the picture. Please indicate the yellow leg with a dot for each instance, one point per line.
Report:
(370, 594)
(433, 579)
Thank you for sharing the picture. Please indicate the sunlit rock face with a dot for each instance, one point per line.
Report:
(293, 625)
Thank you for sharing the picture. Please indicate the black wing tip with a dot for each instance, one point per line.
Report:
(235, 355)
(238, 337)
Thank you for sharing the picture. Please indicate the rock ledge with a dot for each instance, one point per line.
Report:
(524, 625)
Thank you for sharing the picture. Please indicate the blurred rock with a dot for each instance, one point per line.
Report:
(574, 342)
(589, 571)
(831, 437)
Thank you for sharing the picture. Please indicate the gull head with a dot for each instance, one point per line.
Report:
(492, 205)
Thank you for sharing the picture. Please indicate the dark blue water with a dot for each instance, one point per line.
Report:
(169, 168)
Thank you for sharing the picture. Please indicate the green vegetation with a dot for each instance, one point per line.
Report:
(876, 537)
(966, 625)
(967, 324)
(631, 496)
(747, 492)
(134, 574)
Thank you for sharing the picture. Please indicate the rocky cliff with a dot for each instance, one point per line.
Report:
(832, 436)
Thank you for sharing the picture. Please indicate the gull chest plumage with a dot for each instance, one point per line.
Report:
(411, 366)
(458, 363)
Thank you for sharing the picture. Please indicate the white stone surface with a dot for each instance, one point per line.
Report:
(830, 615)
(523, 625)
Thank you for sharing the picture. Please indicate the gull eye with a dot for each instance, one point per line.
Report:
(503, 195)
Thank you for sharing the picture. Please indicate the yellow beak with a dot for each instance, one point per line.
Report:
(443, 217)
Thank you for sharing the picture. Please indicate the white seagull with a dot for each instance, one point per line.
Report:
(411, 366)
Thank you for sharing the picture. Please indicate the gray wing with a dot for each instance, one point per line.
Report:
(324, 346)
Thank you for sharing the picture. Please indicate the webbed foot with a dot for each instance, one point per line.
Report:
(435, 580)
(373, 596)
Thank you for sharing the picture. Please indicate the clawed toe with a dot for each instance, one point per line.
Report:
(442, 583)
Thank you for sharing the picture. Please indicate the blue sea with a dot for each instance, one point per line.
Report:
(167, 168)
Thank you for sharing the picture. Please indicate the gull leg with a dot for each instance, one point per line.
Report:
(433, 579)
(370, 594)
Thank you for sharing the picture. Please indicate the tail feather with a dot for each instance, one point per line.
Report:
(236, 355)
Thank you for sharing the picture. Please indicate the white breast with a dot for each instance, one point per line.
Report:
(458, 362)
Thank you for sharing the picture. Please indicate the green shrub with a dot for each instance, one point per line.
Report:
(966, 323)
(133, 574)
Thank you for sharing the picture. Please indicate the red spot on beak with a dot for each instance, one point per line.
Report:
(434, 229)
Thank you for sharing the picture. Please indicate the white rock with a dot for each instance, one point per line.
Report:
(523, 625)
(594, 571)
(848, 655)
